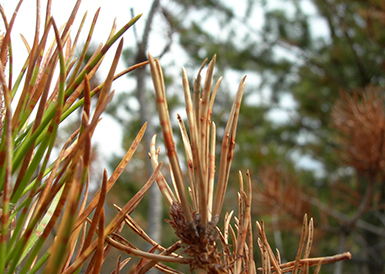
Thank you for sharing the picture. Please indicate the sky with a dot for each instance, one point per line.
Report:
(108, 134)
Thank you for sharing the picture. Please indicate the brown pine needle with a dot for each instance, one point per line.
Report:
(309, 239)
(189, 161)
(212, 99)
(99, 250)
(226, 152)
(145, 255)
(138, 230)
(301, 244)
(98, 211)
(174, 184)
(203, 143)
(233, 239)
(197, 95)
(166, 252)
(266, 244)
(161, 102)
(193, 129)
(116, 221)
(115, 175)
(251, 265)
(160, 180)
(203, 111)
(226, 226)
(120, 265)
(289, 267)
(25, 43)
(210, 190)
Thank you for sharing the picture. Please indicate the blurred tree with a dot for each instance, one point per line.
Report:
(138, 116)
(306, 53)
(300, 56)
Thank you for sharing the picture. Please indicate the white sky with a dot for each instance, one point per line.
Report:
(108, 133)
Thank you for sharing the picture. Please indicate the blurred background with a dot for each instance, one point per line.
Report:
(311, 127)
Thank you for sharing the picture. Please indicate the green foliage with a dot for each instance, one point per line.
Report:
(40, 187)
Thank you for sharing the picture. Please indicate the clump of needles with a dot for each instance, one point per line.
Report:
(204, 245)
(195, 224)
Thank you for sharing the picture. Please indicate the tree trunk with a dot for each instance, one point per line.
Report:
(154, 228)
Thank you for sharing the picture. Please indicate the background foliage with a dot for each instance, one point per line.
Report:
(301, 57)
